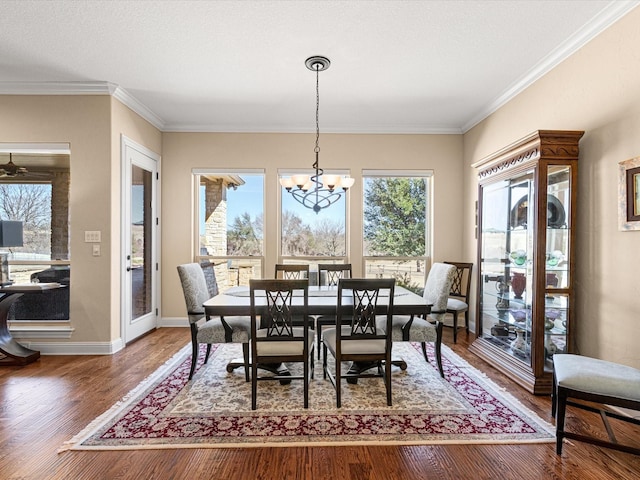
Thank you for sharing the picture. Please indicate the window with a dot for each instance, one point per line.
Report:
(230, 224)
(306, 236)
(396, 226)
(37, 194)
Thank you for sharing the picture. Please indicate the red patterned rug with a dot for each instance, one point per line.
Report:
(214, 409)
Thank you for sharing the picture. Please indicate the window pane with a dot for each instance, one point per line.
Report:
(230, 226)
(231, 214)
(395, 227)
(37, 195)
(29, 203)
(306, 233)
(395, 219)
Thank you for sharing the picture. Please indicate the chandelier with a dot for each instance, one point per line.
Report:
(318, 191)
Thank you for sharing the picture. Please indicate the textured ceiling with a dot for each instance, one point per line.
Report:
(397, 66)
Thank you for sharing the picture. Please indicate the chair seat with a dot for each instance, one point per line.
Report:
(457, 305)
(353, 347)
(596, 377)
(213, 331)
(274, 348)
(421, 330)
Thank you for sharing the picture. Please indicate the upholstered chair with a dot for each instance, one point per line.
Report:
(429, 329)
(209, 330)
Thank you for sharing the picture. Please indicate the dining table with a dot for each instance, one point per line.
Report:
(322, 300)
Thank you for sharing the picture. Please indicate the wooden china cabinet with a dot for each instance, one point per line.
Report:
(526, 255)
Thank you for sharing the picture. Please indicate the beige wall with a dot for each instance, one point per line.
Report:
(596, 90)
(92, 126)
(183, 151)
(84, 123)
(128, 123)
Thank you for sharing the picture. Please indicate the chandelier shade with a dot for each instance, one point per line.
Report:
(317, 191)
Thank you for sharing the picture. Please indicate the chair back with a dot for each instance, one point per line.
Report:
(291, 271)
(436, 290)
(333, 272)
(461, 284)
(272, 319)
(210, 276)
(194, 287)
(365, 294)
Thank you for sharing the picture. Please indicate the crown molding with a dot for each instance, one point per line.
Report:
(82, 88)
(57, 88)
(344, 129)
(130, 101)
(603, 20)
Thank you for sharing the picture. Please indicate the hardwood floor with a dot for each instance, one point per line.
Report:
(48, 402)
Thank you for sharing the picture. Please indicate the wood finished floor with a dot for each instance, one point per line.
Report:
(44, 404)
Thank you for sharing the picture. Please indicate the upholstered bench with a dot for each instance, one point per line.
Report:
(598, 381)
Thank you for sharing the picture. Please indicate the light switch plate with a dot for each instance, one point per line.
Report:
(96, 249)
(92, 236)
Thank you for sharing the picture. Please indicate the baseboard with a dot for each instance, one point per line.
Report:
(173, 322)
(76, 348)
(86, 348)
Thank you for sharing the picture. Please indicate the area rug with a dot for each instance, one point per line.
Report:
(214, 409)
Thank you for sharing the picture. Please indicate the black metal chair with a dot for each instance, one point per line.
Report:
(362, 340)
(328, 276)
(458, 301)
(274, 337)
(291, 271)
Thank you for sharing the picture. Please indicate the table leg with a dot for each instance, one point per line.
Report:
(11, 352)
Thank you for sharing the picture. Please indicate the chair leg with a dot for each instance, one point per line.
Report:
(455, 327)
(245, 354)
(466, 320)
(387, 379)
(439, 348)
(306, 379)
(424, 351)
(194, 350)
(254, 384)
(206, 356)
(319, 334)
(324, 361)
(338, 383)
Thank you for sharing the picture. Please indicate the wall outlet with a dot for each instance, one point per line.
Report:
(96, 249)
(92, 236)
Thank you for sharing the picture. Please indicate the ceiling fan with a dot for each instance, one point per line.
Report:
(11, 169)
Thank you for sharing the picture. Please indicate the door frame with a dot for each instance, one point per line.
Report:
(125, 293)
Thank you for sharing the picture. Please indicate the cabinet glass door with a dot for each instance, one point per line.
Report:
(557, 272)
(506, 250)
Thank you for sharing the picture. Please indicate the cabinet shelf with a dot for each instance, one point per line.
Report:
(526, 298)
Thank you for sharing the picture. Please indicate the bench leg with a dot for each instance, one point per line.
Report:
(560, 410)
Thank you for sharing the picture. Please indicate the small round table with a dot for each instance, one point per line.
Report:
(11, 352)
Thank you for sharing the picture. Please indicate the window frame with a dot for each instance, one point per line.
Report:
(427, 175)
(196, 173)
(293, 259)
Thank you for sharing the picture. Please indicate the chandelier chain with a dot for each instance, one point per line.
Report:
(317, 149)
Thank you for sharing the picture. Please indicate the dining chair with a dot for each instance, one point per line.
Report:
(328, 276)
(363, 339)
(203, 328)
(427, 330)
(291, 271)
(458, 301)
(274, 337)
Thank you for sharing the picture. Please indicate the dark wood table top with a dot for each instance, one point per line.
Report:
(322, 301)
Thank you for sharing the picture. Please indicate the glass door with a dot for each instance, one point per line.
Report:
(139, 239)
